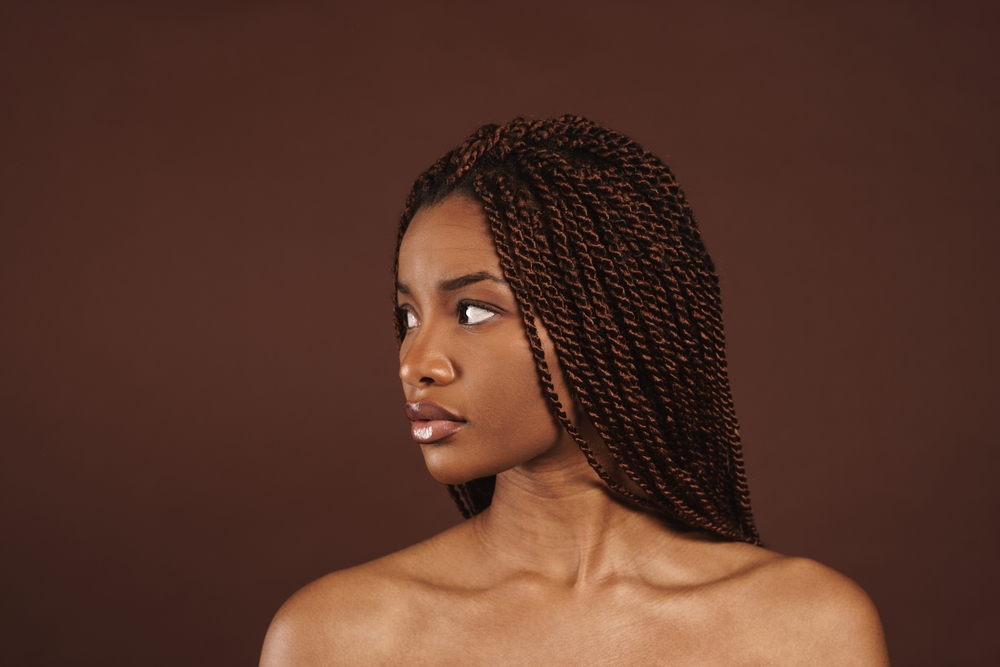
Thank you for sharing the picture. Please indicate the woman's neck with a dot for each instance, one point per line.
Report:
(558, 519)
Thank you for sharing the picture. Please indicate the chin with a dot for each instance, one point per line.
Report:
(449, 467)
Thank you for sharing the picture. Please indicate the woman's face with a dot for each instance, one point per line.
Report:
(468, 373)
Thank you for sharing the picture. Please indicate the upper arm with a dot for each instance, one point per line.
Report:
(851, 629)
(339, 620)
(827, 619)
(296, 635)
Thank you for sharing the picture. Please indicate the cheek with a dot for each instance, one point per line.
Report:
(513, 413)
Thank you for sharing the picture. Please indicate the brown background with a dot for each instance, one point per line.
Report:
(200, 412)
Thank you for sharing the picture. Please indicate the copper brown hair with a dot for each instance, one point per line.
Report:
(597, 241)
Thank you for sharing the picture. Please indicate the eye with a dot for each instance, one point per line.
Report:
(407, 318)
(471, 314)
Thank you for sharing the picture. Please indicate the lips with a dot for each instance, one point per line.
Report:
(431, 422)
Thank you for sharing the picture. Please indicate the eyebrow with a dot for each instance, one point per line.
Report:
(453, 284)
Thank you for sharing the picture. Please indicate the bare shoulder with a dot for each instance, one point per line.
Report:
(354, 616)
(808, 613)
(327, 617)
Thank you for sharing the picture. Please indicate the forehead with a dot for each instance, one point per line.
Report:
(447, 239)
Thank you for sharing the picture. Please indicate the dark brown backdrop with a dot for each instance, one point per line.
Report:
(200, 411)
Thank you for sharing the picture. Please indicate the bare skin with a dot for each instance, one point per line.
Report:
(557, 571)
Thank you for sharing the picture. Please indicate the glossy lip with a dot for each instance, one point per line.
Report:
(431, 422)
(426, 410)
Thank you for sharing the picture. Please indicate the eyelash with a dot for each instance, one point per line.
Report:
(404, 313)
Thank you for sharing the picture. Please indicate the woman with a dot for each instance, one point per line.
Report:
(562, 357)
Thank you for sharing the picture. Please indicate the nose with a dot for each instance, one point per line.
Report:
(423, 361)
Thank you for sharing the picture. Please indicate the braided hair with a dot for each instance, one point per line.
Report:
(596, 239)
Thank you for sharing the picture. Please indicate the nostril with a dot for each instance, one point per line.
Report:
(422, 367)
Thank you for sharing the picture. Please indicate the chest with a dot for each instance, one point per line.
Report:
(615, 627)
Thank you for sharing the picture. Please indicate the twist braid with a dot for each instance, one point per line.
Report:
(598, 243)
